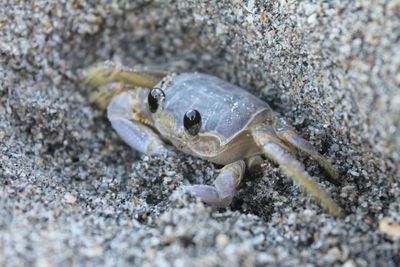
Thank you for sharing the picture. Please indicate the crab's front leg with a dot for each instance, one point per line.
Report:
(135, 134)
(224, 188)
(272, 147)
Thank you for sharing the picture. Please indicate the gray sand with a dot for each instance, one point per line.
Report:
(73, 194)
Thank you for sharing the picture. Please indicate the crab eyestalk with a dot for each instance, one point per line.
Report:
(100, 75)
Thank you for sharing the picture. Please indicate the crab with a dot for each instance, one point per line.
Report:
(206, 117)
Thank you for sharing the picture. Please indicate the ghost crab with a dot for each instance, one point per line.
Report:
(206, 117)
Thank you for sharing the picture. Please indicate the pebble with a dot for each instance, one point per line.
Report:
(390, 228)
(69, 198)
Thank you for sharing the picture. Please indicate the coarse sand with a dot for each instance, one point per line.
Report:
(73, 194)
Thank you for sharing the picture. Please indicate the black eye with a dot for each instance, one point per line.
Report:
(192, 122)
(154, 99)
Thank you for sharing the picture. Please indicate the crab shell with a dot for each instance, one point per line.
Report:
(228, 113)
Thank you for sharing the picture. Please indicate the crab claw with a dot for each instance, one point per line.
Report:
(224, 189)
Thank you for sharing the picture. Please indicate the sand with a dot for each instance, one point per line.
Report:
(73, 194)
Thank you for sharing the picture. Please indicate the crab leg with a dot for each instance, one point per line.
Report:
(224, 188)
(111, 72)
(288, 135)
(291, 167)
(136, 135)
(108, 72)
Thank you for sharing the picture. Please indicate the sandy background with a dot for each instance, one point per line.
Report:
(71, 193)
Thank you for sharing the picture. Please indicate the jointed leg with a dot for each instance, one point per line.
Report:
(293, 168)
(101, 75)
(224, 189)
(109, 72)
(288, 135)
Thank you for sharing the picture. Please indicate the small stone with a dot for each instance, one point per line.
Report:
(333, 254)
(334, 147)
(312, 19)
(263, 258)
(349, 263)
(92, 251)
(257, 240)
(69, 198)
(222, 240)
(354, 173)
(390, 228)
(307, 214)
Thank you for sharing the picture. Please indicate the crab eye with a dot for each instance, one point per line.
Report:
(154, 99)
(192, 122)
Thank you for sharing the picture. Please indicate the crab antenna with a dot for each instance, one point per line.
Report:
(293, 168)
